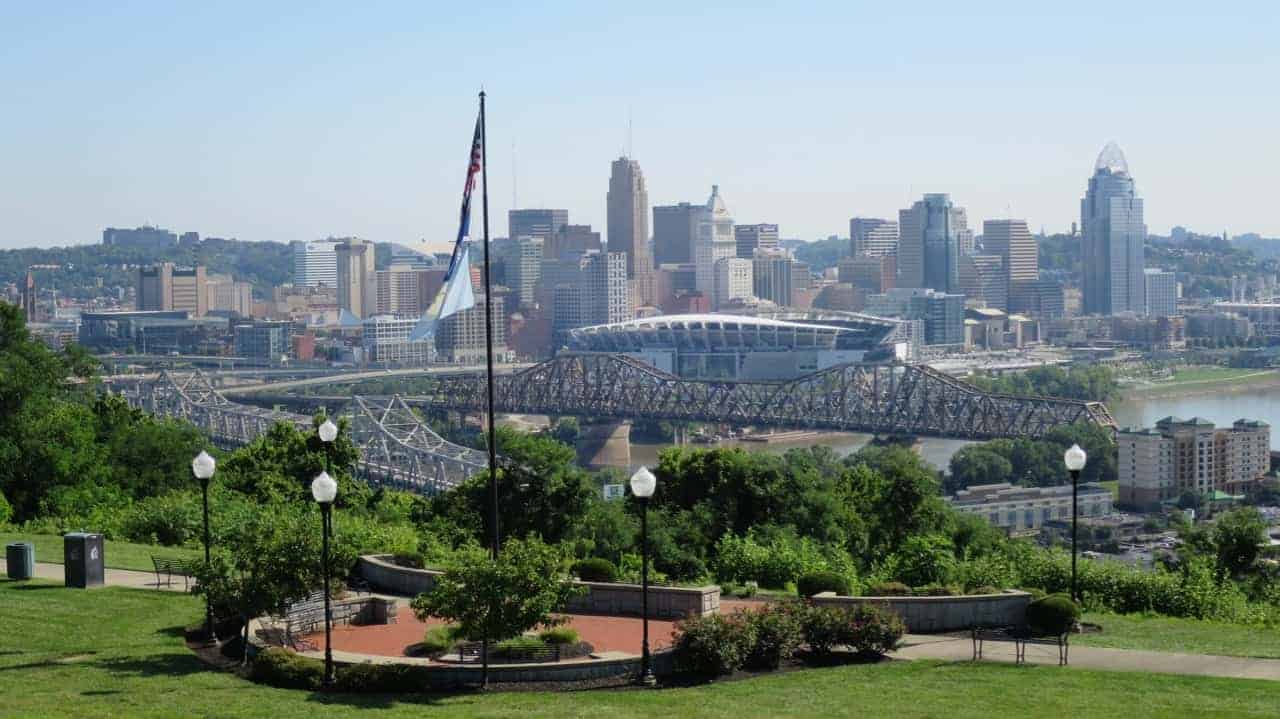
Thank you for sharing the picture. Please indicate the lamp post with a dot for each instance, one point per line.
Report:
(642, 485)
(1075, 459)
(323, 490)
(203, 467)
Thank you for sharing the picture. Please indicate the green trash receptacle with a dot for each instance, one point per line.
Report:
(20, 560)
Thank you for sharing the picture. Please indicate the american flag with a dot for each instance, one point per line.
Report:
(464, 225)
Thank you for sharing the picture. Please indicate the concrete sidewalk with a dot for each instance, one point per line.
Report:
(955, 648)
(112, 577)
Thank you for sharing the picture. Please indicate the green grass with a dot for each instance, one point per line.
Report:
(1187, 636)
(117, 555)
(117, 652)
(1206, 374)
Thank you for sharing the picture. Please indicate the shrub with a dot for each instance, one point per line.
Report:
(778, 630)
(595, 569)
(712, 645)
(983, 590)
(1035, 592)
(170, 519)
(924, 560)
(818, 582)
(747, 590)
(6, 510)
(1054, 614)
(559, 635)
(282, 668)
(517, 647)
(822, 628)
(888, 589)
(872, 630)
(440, 639)
(379, 678)
(938, 590)
(412, 560)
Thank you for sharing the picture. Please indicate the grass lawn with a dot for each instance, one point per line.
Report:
(1210, 373)
(118, 555)
(118, 652)
(1188, 636)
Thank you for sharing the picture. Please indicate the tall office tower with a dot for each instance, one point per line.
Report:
(606, 280)
(929, 245)
(315, 264)
(714, 242)
(874, 274)
(733, 282)
(357, 284)
(151, 239)
(755, 237)
(628, 215)
(1112, 238)
(1012, 241)
(772, 275)
(29, 297)
(523, 261)
(399, 291)
(189, 291)
(226, 295)
(943, 316)
(573, 239)
(155, 288)
(1039, 298)
(873, 236)
(675, 230)
(983, 282)
(1161, 292)
(544, 224)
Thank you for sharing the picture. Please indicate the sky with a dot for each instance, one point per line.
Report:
(272, 121)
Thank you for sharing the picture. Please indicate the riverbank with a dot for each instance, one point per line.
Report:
(1204, 381)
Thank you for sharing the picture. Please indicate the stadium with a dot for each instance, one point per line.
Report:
(740, 347)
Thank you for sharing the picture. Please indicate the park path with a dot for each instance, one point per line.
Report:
(956, 648)
(112, 577)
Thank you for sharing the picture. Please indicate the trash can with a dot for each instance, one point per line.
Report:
(82, 560)
(20, 558)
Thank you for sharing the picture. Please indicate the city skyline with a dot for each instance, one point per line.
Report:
(275, 136)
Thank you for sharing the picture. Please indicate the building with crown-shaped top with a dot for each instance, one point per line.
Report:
(1112, 237)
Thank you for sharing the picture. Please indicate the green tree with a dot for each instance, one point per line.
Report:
(500, 599)
(977, 464)
(1238, 538)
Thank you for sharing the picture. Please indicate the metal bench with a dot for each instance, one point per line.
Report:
(472, 651)
(167, 568)
(1021, 636)
(302, 618)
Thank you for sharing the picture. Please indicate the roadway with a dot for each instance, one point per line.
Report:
(355, 377)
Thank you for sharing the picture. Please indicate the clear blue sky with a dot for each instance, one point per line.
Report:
(270, 123)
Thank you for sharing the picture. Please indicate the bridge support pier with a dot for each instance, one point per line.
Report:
(605, 444)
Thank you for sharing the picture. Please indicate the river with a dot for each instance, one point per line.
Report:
(1222, 408)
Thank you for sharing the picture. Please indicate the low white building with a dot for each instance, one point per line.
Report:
(1017, 508)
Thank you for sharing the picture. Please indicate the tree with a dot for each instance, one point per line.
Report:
(1238, 537)
(278, 466)
(977, 464)
(497, 600)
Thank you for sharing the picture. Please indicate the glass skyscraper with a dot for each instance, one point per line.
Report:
(929, 244)
(1113, 234)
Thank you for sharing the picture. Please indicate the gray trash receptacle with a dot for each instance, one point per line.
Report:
(82, 560)
(20, 560)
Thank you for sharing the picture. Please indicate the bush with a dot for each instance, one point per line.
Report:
(380, 678)
(938, 590)
(282, 668)
(872, 630)
(712, 645)
(865, 628)
(778, 630)
(822, 628)
(595, 569)
(6, 510)
(517, 647)
(888, 589)
(171, 519)
(818, 582)
(412, 560)
(1054, 614)
(983, 590)
(559, 635)
(747, 590)
(439, 640)
(924, 560)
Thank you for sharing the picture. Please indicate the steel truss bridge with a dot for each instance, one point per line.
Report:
(884, 399)
(396, 447)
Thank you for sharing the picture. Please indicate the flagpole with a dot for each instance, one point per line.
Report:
(488, 330)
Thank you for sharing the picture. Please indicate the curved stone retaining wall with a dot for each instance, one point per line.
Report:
(945, 614)
(601, 598)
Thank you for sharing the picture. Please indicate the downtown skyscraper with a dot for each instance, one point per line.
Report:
(932, 236)
(1113, 233)
(627, 228)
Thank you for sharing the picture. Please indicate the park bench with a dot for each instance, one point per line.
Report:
(302, 618)
(471, 651)
(1020, 636)
(167, 568)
